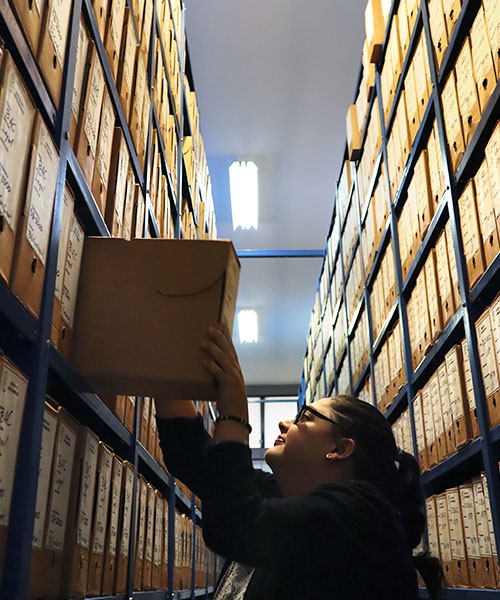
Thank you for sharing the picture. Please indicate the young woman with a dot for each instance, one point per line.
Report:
(337, 520)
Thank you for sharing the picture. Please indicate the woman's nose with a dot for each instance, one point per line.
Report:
(284, 425)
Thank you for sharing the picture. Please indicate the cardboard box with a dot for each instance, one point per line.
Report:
(458, 553)
(444, 279)
(15, 104)
(471, 234)
(418, 417)
(482, 59)
(486, 214)
(492, 153)
(30, 255)
(436, 175)
(457, 301)
(452, 10)
(453, 121)
(353, 133)
(433, 295)
(110, 549)
(125, 79)
(375, 29)
(444, 537)
(492, 18)
(141, 528)
(458, 398)
(429, 425)
(125, 529)
(81, 69)
(425, 205)
(469, 391)
(30, 15)
(52, 45)
(437, 413)
(444, 392)
(489, 578)
(147, 568)
(438, 30)
(114, 31)
(490, 528)
(432, 527)
(468, 101)
(101, 13)
(117, 184)
(475, 563)
(102, 164)
(495, 331)
(158, 543)
(172, 278)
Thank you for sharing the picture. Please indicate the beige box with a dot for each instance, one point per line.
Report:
(471, 234)
(125, 77)
(489, 366)
(483, 534)
(114, 31)
(117, 184)
(17, 115)
(128, 210)
(30, 15)
(125, 529)
(100, 521)
(486, 214)
(432, 527)
(52, 45)
(412, 102)
(430, 433)
(453, 121)
(102, 164)
(111, 543)
(147, 568)
(446, 408)
(482, 59)
(492, 153)
(492, 17)
(67, 215)
(158, 543)
(433, 298)
(436, 175)
(138, 95)
(424, 193)
(437, 413)
(81, 72)
(101, 14)
(457, 535)
(469, 391)
(418, 417)
(468, 100)
(490, 528)
(438, 30)
(452, 10)
(458, 398)
(444, 538)
(375, 29)
(30, 255)
(457, 301)
(172, 278)
(353, 133)
(495, 329)
(141, 527)
(475, 562)
(88, 125)
(444, 280)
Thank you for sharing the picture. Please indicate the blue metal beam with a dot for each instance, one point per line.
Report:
(280, 253)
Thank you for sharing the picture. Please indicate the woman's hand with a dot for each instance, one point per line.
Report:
(223, 364)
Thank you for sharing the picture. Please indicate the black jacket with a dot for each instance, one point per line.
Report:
(340, 542)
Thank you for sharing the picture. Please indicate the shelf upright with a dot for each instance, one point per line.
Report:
(490, 456)
(15, 577)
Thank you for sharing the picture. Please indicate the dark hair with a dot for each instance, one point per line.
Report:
(394, 472)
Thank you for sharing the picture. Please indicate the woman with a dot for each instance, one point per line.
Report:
(338, 519)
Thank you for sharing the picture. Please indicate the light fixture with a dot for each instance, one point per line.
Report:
(248, 326)
(244, 187)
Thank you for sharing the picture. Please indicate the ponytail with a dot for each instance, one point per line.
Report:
(394, 472)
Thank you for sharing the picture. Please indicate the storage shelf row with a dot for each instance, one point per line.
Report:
(162, 595)
(463, 594)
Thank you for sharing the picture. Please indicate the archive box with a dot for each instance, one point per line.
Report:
(144, 306)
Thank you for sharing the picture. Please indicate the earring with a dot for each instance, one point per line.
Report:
(329, 455)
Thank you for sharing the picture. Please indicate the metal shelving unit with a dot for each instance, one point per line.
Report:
(26, 340)
(484, 452)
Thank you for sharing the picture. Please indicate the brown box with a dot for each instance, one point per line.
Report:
(471, 234)
(142, 495)
(482, 59)
(489, 366)
(468, 100)
(444, 280)
(458, 552)
(190, 284)
(100, 521)
(117, 184)
(103, 153)
(437, 413)
(420, 432)
(375, 29)
(492, 18)
(125, 79)
(110, 549)
(52, 45)
(453, 121)
(444, 538)
(475, 563)
(158, 543)
(101, 12)
(438, 30)
(125, 529)
(452, 10)
(492, 153)
(113, 35)
(353, 133)
(432, 527)
(452, 261)
(16, 122)
(483, 533)
(469, 391)
(30, 15)
(495, 330)
(147, 567)
(446, 408)
(486, 214)
(457, 394)
(431, 283)
(430, 433)
(81, 70)
(30, 255)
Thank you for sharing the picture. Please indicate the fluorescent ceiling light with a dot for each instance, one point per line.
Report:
(244, 186)
(248, 326)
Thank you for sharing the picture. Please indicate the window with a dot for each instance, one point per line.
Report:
(276, 410)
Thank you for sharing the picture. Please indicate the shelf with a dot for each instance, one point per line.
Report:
(398, 404)
(436, 225)
(452, 333)
(474, 152)
(357, 313)
(18, 46)
(460, 31)
(86, 209)
(113, 92)
(342, 356)
(419, 144)
(453, 463)
(85, 405)
(121, 597)
(152, 219)
(353, 256)
(371, 186)
(356, 388)
(462, 594)
(379, 253)
(14, 313)
(148, 465)
(417, 28)
(389, 320)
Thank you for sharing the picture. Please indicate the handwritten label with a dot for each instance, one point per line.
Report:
(87, 489)
(68, 204)
(129, 59)
(43, 188)
(115, 506)
(443, 528)
(58, 27)
(454, 385)
(61, 487)
(148, 548)
(432, 529)
(481, 518)
(102, 501)
(13, 388)
(44, 471)
(470, 528)
(469, 386)
(419, 423)
(94, 103)
(487, 354)
(456, 527)
(142, 519)
(158, 531)
(16, 121)
(117, 12)
(127, 510)
(105, 138)
(72, 271)
(81, 58)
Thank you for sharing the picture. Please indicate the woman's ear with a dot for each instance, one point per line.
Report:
(343, 448)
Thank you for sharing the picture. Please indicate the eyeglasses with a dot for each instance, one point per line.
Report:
(307, 408)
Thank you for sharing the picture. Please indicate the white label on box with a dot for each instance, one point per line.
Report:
(436, 405)
(469, 515)
(81, 59)
(149, 525)
(445, 397)
(140, 85)
(495, 329)
(142, 519)
(430, 434)
(456, 528)
(87, 489)
(480, 46)
(485, 209)
(67, 212)
(432, 529)
(61, 487)
(94, 103)
(483, 533)
(468, 220)
(419, 423)
(158, 531)
(487, 354)
(443, 528)
(102, 500)
(105, 138)
(469, 386)
(127, 510)
(116, 22)
(43, 190)
(44, 471)
(165, 532)
(72, 271)
(116, 489)
(58, 27)
(13, 388)
(488, 514)
(466, 81)
(16, 122)
(130, 52)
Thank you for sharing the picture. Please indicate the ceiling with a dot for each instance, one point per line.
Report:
(274, 79)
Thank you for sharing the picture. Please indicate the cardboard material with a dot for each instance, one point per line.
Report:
(110, 550)
(444, 537)
(482, 59)
(101, 12)
(420, 432)
(469, 391)
(16, 122)
(81, 70)
(438, 30)
(103, 153)
(495, 330)
(142, 495)
(125, 529)
(458, 399)
(471, 234)
(188, 285)
(468, 100)
(489, 366)
(453, 121)
(475, 563)
(486, 214)
(30, 14)
(114, 31)
(457, 535)
(483, 533)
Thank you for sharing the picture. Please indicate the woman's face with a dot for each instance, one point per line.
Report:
(303, 445)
